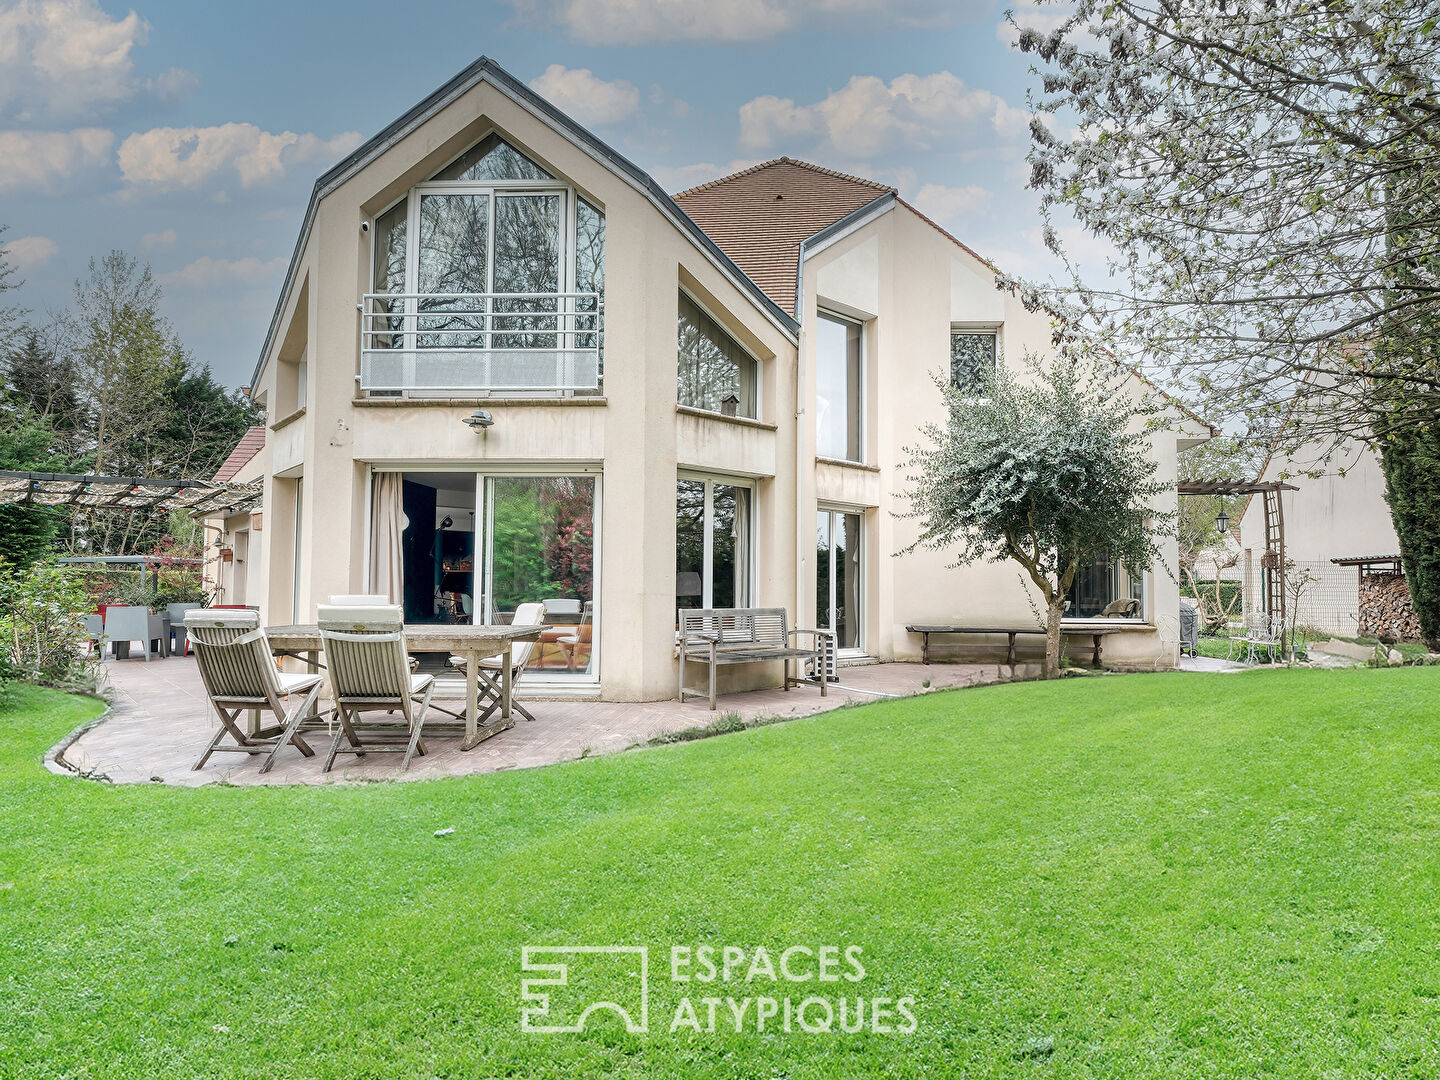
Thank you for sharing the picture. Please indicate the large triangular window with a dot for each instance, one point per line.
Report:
(492, 158)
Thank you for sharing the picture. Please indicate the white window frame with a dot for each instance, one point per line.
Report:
(862, 418)
(707, 558)
(484, 525)
(569, 227)
(835, 510)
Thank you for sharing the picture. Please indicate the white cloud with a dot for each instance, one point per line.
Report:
(170, 158)
(683, 177)
(33, 159)
(158, 241)
(588, 99)
(952, 205)
(67, 57)
(25, 252)
(868, 116)
(206, 272)
(634, 22)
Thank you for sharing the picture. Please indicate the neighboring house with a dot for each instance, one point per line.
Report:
(1339, 512)
(690, 401)
(232, 550)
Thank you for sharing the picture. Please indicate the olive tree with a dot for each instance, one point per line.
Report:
(1049, 468)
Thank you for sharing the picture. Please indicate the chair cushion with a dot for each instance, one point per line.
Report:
(238, 618)
(419, 682)
(294, 682)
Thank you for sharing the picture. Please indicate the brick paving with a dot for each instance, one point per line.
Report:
(161, 721)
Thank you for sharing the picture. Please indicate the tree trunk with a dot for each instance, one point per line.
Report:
(1055, 607)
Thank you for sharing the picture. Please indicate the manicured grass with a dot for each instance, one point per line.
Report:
(1147, 876)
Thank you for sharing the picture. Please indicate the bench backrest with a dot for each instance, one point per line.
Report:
(753, 627)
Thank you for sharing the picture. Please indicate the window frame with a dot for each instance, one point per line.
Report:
(707, 559)
(570, 199)
(1142, 579)
(840, 510)
(862, 380)
(484, 474)
(995, 330)
(755, 362)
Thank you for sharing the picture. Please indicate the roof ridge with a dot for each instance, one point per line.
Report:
(783, 160)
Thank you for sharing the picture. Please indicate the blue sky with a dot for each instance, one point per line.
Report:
(190, 134)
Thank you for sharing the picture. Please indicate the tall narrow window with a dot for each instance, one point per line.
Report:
(972, 359)
(713, 371)
(839, 389)
(712, 544)
(389, 277)
(838, 576)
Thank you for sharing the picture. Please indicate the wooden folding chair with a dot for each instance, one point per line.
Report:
(369, 671)
(239, 674)
(491, 670)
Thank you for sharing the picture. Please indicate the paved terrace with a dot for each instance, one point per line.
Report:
(161, 721)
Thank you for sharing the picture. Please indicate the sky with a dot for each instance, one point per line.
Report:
(189, 134)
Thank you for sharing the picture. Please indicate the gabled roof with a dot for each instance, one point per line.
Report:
(485, 70)
(250, 444)
(762, 215)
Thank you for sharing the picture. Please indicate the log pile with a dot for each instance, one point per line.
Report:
(1385, 608)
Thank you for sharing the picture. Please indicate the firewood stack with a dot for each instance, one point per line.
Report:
(1385, 608)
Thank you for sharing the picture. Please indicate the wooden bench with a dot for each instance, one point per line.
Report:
(715, 636)
(1095, 633)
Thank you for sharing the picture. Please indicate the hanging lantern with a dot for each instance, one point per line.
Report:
(1222, 521)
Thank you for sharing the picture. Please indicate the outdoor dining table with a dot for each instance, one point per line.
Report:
(470, 641)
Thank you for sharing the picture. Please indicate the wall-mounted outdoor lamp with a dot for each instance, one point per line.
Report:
(479, 420)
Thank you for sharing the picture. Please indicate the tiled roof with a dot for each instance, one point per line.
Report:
(249, 445)
(761, 215)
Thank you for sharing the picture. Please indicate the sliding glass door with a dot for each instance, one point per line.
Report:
(838, 576)
(476, 546)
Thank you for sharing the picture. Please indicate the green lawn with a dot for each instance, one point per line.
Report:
(1150, 876)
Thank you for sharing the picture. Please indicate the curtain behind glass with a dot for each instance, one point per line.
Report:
(387, 532)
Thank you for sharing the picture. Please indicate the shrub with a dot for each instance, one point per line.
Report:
(42, 619)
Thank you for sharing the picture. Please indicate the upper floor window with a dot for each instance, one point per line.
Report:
(487, 277)
(713, 371)
(839, 389)
(973, 355)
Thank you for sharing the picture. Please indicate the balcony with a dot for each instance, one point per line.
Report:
(478, 344)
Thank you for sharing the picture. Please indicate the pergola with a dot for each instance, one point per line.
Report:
(134, 493)
(1273, 561)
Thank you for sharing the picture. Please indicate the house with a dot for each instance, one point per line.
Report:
(227, 576)
(505, 365)
(1337, 512)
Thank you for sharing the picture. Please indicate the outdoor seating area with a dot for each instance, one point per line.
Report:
(160, 719)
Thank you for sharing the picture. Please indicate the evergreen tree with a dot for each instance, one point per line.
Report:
(27, 533)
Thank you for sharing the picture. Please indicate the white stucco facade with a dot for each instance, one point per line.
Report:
(906, 283)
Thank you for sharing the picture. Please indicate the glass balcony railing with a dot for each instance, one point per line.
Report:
(430, 344)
